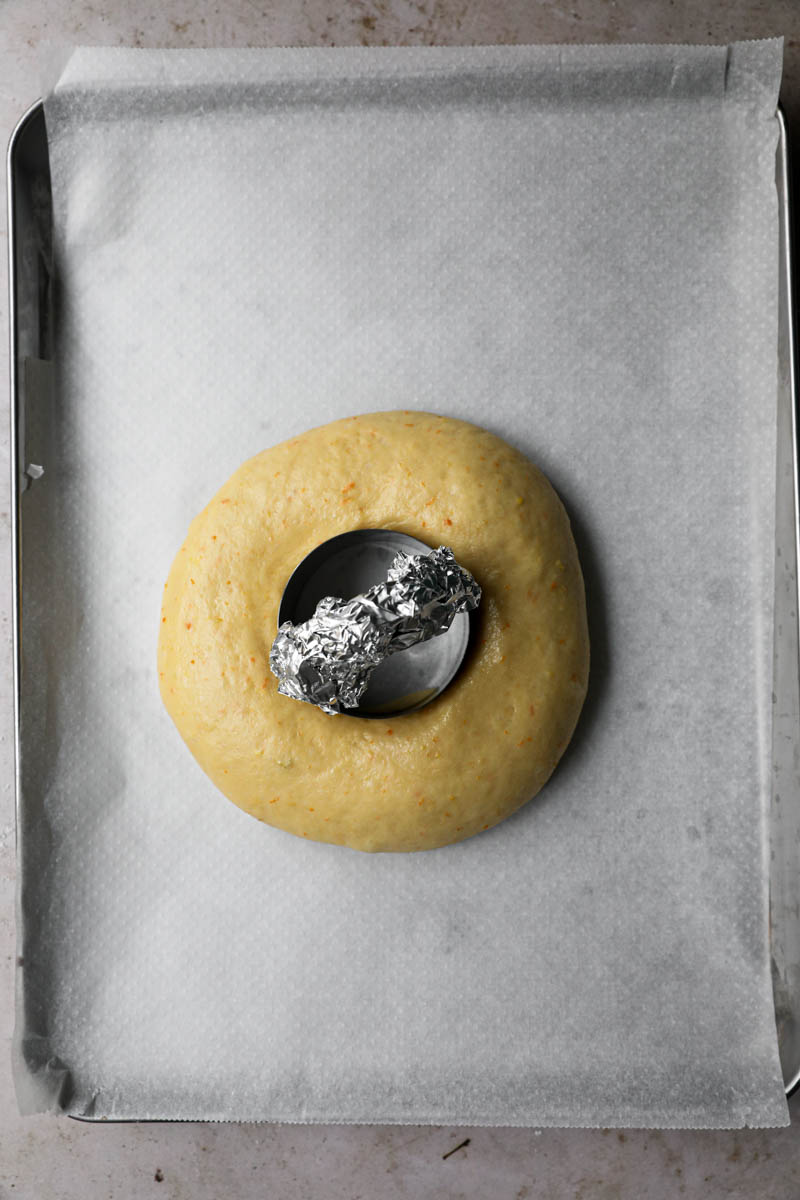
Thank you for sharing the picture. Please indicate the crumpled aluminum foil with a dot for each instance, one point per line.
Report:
(328, 660)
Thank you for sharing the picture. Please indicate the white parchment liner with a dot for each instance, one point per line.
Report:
(576, 247)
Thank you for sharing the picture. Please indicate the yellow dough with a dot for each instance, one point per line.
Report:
(472, 756)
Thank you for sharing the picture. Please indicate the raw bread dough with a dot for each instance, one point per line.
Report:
(451, 769)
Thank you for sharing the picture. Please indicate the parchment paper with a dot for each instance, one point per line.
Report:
(576, 247)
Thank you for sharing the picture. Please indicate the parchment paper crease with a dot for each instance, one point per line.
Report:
(576, 247)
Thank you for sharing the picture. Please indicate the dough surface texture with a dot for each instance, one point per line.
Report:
(469, 758)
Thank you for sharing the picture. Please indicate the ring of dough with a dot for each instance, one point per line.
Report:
(466, 760)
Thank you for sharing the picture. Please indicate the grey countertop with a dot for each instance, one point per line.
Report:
(47, 1157)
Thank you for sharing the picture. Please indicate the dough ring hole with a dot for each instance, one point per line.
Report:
(346, 566)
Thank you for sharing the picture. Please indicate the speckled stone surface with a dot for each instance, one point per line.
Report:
(42, 1157)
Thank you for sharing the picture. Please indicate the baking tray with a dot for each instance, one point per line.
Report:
(31, 287)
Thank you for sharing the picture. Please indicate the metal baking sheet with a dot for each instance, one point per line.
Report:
(31, 283)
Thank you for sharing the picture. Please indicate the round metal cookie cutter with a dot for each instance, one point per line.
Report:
(346, 566)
